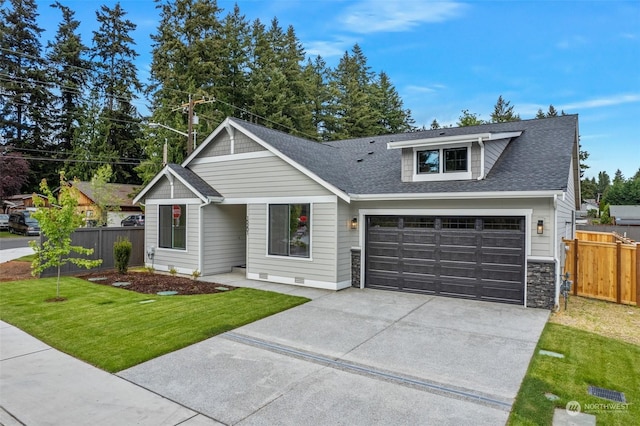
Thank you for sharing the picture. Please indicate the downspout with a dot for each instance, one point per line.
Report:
(481, 143)
(201, 234)
(556, 260)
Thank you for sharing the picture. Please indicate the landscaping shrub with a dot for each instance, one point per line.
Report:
(122, 254)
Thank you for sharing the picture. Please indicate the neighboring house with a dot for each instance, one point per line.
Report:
(19, 202)
(117, 196)
(475, 212)
(625, 215)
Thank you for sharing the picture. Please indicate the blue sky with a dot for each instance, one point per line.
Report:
(581, 56)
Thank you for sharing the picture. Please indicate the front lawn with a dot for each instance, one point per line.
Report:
(590, 359)
(115, 329)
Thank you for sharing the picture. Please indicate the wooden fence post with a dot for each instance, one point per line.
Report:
(635, 276)
(575, 267)
(618, 272)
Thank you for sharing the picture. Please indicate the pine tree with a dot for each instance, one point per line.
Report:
(387, 101)
(351, 84)
(67, 57)
(434, 124)
(503, 112)
(316, 76)
(119, 84)
(25, 96)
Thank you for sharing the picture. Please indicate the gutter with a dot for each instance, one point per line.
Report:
(481, 143)
(455, 195)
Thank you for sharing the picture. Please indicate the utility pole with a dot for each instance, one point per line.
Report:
(190, 138)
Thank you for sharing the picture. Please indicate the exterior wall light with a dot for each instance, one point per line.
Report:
(354, 223)
(540, 227)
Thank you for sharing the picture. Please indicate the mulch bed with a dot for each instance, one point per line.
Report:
(141, 282)
(152, 283)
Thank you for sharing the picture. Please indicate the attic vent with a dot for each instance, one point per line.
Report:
(372, 141)
(441, 133)
(370, 152)
(299, 280)
(359, 160)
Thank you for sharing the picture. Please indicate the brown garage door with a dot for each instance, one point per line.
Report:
(473, 257)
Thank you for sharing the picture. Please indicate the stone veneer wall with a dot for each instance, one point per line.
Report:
(541, 284)
(355, 268)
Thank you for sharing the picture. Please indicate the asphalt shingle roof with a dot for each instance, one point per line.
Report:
(194, 180)
(539, 159)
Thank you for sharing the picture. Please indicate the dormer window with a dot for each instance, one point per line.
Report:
(451, 163)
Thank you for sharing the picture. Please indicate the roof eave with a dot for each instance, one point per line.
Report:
(455, 195)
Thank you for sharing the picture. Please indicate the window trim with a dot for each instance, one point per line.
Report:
(288, 257)
(186, 227)
(441, 174)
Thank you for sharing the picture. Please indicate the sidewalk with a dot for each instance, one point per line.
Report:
(14, 253)
(40, 385)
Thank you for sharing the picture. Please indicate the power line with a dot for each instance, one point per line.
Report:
(68, 160)
(44, 151)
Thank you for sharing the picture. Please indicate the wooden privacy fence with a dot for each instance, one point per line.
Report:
(101, 241)
(603, 268)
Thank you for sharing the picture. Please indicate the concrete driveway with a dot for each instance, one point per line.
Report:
(357, 357)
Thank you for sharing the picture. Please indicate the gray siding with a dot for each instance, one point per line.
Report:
(407, 164)
(492, 151)
(322, 264)
(475, 160)
(566, 210)
(162, 190)
(347, 238)
(244, 144)
(222, 145)
(258, 177)
(224, 238)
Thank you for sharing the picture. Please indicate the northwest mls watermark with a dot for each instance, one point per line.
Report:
(574, 407)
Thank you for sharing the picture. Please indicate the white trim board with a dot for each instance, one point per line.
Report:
(233, 157)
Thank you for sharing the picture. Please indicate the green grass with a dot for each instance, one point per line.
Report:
(28, 258)
(7, 234)
(109, 327)
(590, 359)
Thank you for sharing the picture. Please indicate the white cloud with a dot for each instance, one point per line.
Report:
(328, 49)
(425, 89)
(371, 16)
(602, 102)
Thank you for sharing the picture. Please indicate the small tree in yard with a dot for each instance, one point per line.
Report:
(57, 223)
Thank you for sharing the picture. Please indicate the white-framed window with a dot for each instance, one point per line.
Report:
(172, 226)
(289, 230)
(442, 163)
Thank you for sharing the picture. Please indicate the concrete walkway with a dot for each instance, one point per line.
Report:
(357, 357)
(14, 253)
(43, 386)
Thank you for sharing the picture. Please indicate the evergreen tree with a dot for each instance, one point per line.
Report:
(316, 76)
(552, 112)
(603, 184)
(351, 85)
(540, 114)
(503, 112)
(469, 119)
(118, 84)
(435, 125)
(387, 101)
(25, 96)
(71, 71)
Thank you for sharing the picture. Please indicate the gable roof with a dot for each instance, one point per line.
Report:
(625, 212)
(188, 178)
(119, 193)
(538, 159)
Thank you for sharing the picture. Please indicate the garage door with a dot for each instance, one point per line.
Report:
(472, 257)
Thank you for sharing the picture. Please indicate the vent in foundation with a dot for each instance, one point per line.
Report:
(298, 280)
(263, 276)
